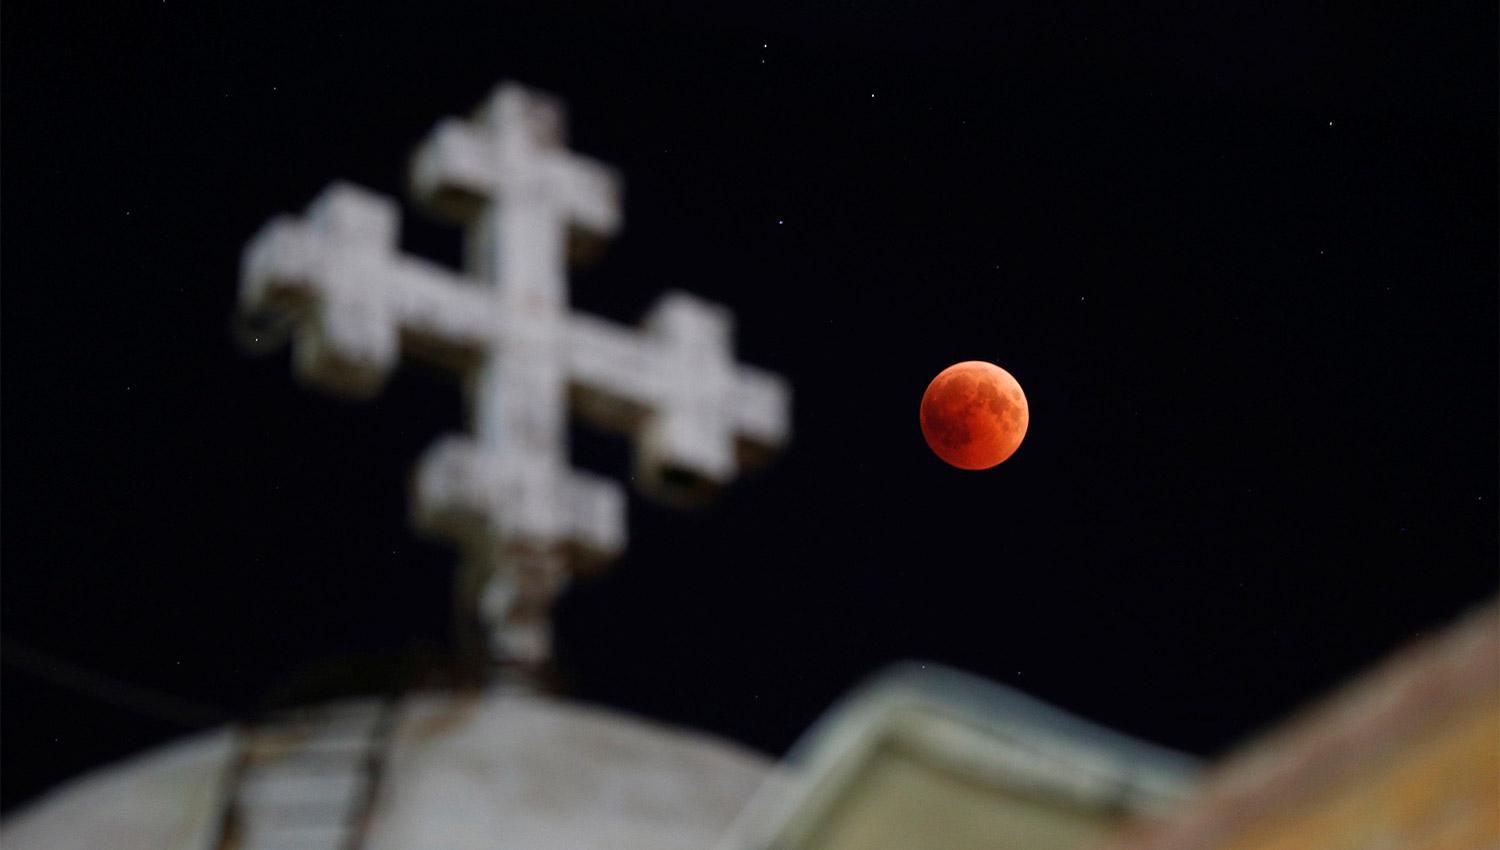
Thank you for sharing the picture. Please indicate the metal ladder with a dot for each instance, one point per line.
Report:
(306, 779)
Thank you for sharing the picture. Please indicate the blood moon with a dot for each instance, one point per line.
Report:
(974, 415)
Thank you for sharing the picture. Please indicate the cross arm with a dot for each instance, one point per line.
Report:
(350, 298)
(760, 406)
(616, 373)
(696, 415)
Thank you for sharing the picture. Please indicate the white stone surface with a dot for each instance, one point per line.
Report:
(531, 773)
(493, 772)
(164, 799)
(505, 493)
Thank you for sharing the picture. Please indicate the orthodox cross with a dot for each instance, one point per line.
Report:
(505, 493)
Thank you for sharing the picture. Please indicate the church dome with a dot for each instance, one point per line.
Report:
(458, 771)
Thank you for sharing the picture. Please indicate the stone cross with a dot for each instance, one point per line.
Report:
(505, 492)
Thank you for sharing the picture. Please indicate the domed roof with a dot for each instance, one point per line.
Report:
(492, 770)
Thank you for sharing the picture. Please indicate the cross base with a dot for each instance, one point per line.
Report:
(503, 608)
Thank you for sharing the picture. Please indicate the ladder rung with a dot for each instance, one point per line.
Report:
(279, 788)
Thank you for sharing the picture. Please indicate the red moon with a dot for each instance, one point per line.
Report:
(974, 415)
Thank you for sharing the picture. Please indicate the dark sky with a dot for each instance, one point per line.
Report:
(1243, 264)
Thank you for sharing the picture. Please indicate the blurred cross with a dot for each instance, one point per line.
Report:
(505, 492)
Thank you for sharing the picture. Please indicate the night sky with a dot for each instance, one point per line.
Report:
(1243, 264)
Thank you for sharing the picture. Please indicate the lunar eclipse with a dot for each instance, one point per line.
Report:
(974, 415)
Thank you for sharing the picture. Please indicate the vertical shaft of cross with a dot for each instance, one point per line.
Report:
(517, 245)
(503, 603)
(516, 607)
